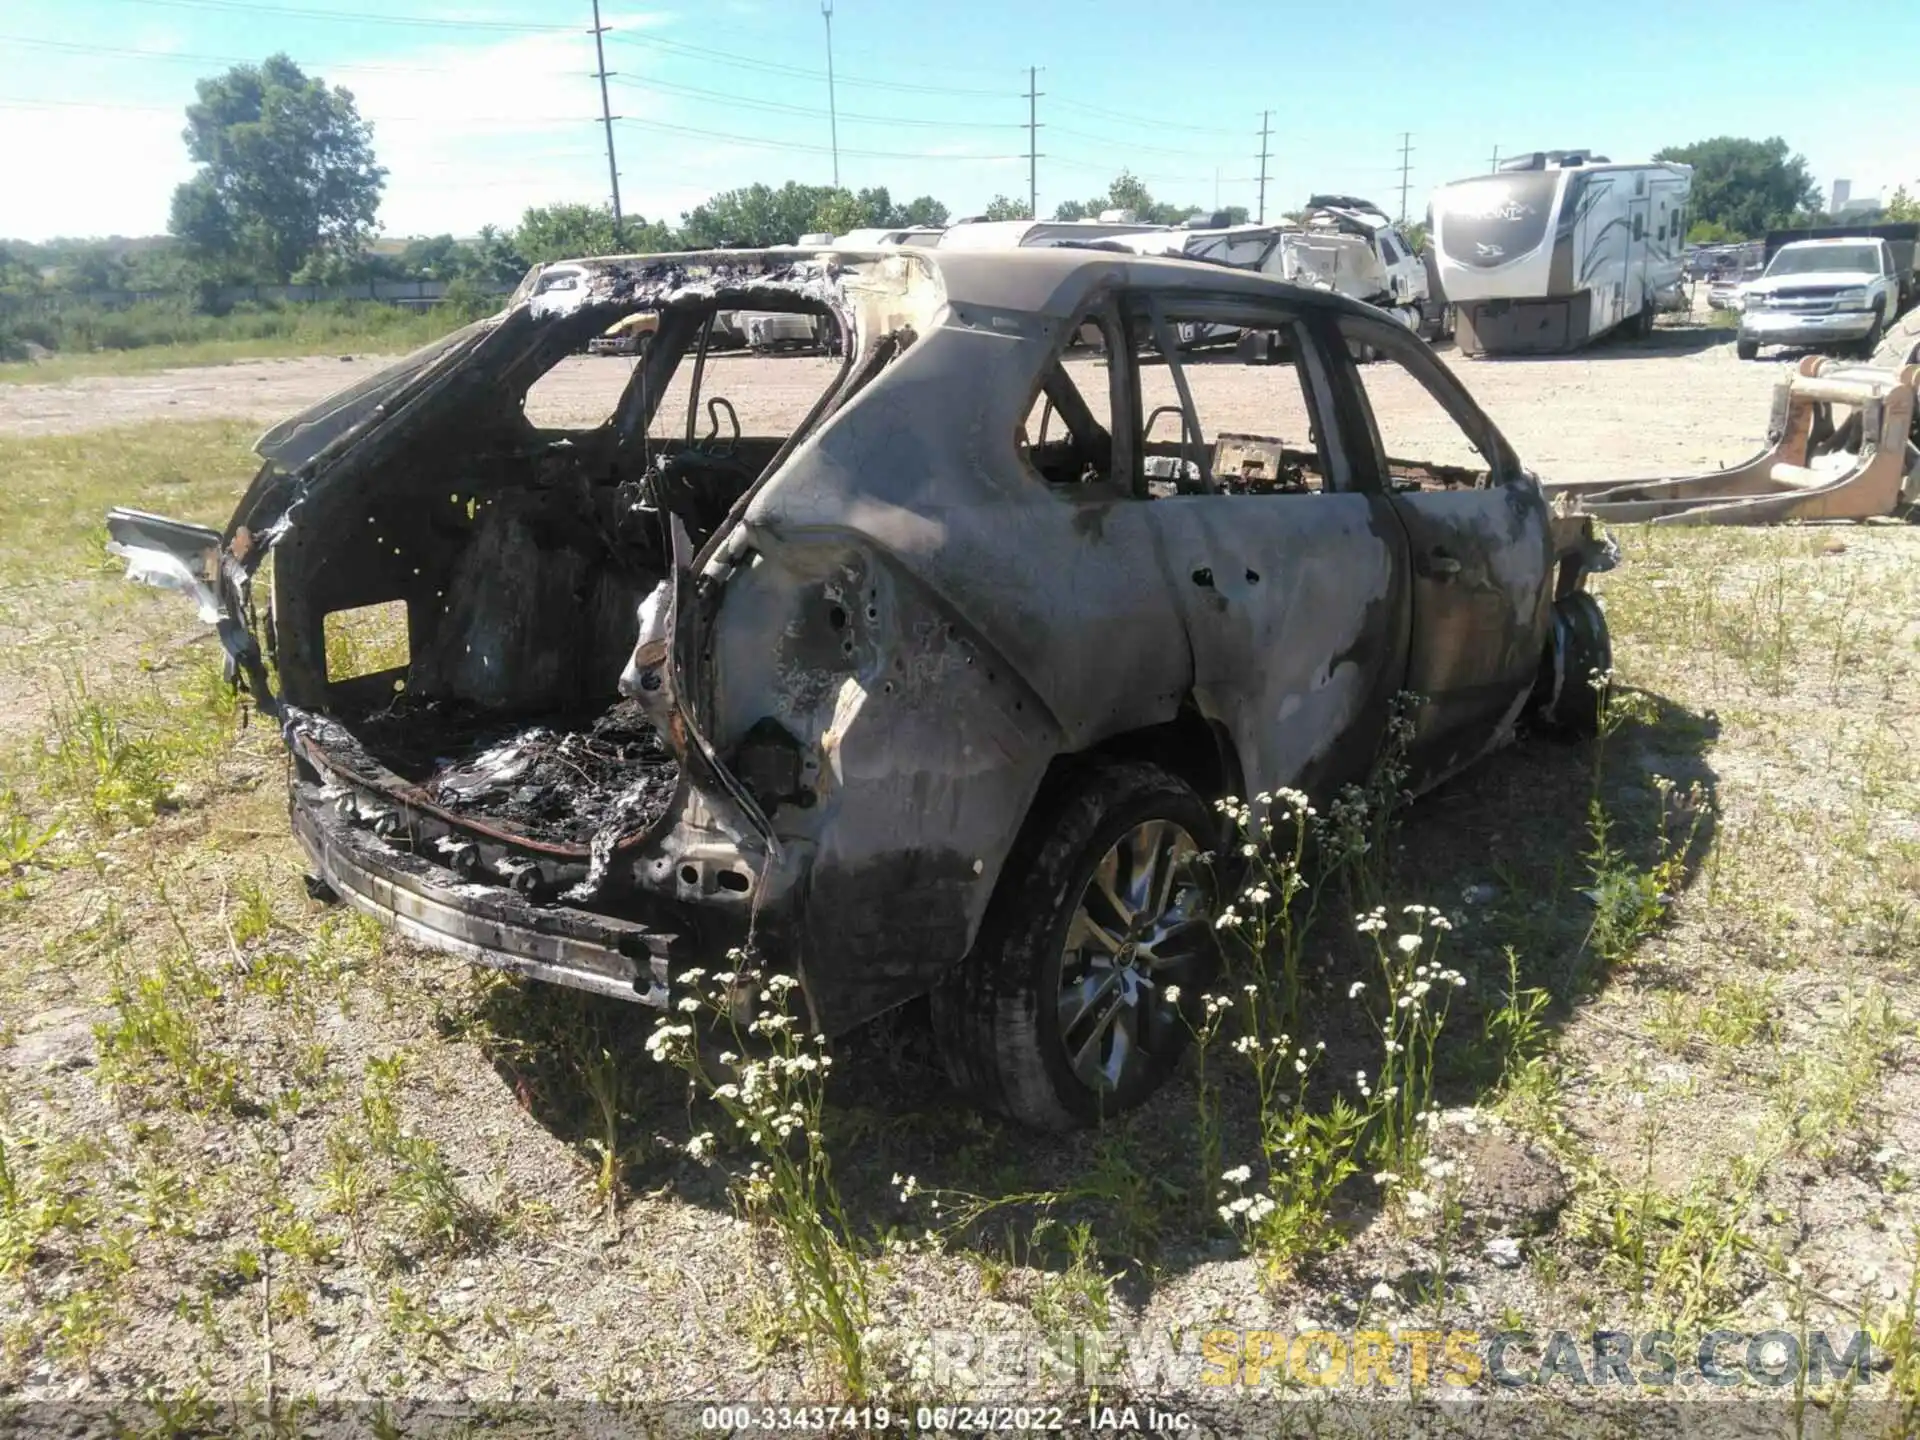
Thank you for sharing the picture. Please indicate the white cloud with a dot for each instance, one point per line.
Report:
(486, 131)
(72, 171)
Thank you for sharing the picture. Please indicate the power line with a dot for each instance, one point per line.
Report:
(15, 102)
(359, 17)
(1096, 167)
(833, 121)
(1132, 144)
(801, 145)
(1033, 144)
(1265, 116)
(1406, 167)
(606, 117)
(1152, 122)
(781, 108)
(200, 57)
(775, 67)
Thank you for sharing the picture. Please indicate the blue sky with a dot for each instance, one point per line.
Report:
(483, 107)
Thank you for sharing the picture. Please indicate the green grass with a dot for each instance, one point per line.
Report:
(159, 337)
(300, 1137)
(57, 490)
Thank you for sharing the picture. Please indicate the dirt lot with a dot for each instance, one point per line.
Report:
(252, 1149)
(1676, 403)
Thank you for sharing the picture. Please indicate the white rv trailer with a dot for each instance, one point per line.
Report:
(1556, 248)
(1015, 234)
(884, 239)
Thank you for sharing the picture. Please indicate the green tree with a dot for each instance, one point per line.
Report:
(923, 211)
(1128, 192)
(1749, 186)
(1711, 232)
(19, 275)
(436, 257)
(492, 258)
(1005, 207)
(1903, 206)
(839, 211)
(286, 172)
(756, 215)
(571, 231)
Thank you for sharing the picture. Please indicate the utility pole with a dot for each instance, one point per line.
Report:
(1265, 115)
(1494, 164)
(1033, 145)
(833, 118)
(607, 118)
(1406, 150)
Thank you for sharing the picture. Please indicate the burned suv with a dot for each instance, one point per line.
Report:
(923, 684)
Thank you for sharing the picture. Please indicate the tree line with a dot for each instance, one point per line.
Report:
(287, 191)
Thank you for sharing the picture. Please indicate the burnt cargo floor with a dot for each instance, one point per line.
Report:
(559, 779)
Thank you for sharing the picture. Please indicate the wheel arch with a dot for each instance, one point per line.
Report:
(1189, 746)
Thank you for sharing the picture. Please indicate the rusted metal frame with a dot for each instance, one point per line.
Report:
(1311, 373)
(699, 372)
(1190, 431)
(1399, 345)
(1314, 374)
(822, 408)
(1755, 493)
(1122, 396)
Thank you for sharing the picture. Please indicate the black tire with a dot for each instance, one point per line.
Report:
(1567, 700)
(997, 1018)
(1870, 346)
(1747, 349)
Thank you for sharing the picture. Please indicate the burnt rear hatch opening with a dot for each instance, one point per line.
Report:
(524, 546)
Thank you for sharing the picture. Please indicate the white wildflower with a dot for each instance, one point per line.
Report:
(1407, 944)
(1239, 1175)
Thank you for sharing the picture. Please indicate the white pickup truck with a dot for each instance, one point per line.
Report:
(1821, 293)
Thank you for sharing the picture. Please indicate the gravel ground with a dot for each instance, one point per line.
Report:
(1728, 1115)
(1676, 403)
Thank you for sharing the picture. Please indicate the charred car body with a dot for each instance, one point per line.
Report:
(903, 698)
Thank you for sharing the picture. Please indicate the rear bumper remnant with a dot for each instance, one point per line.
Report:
(487, 924)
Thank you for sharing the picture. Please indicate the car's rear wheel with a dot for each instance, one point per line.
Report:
(1747, 349)
(1061, 1015)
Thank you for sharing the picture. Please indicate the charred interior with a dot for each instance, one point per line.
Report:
(512, 562)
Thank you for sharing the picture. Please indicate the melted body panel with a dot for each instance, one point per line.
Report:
(865, 643)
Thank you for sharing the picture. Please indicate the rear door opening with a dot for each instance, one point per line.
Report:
(498, 558)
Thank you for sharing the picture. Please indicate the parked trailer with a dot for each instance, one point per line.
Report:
(1559, 247)
(1024, 234)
